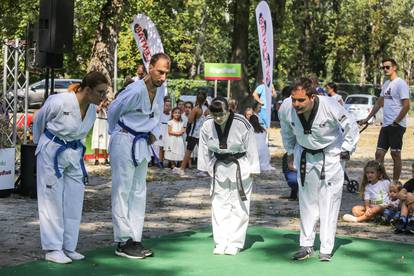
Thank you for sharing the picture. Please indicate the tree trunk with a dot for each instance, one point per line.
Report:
(304, 25)
(240, 89)
(103, 51)
(198, 55)
(362, 79)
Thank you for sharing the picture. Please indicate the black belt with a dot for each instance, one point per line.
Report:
(228, 158)
(303, 163)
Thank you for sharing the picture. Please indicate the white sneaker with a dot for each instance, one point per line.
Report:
(232, 250)
(201, 174)
(57, 256)
(177, 171)
(219, 250)
(75, 256)
(349, 218)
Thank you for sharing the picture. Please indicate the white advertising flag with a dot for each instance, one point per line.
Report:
(7, 159)
(265, 30)
(147, 38)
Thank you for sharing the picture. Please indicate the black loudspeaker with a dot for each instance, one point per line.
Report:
(28, 171)
(50, 60)
(56, 26)
(36, 58)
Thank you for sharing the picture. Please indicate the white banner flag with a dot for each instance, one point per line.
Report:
(147, 38)
(265, 30)
(7, 159)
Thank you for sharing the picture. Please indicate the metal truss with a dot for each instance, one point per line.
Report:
(15, 77)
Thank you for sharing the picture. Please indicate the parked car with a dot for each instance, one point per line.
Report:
(360, 105)
(37, 91)
(192, 98)
(208, 90)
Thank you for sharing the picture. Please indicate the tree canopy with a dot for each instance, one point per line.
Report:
(337, 40)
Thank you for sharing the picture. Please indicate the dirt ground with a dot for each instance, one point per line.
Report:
(175, 204)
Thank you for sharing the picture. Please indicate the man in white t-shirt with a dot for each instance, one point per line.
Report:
(395, 99)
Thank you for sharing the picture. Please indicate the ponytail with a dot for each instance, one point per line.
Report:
(74, 87)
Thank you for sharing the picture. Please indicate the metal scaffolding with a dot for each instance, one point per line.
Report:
(15, 78)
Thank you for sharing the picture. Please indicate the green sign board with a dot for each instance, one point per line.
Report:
(222, 71)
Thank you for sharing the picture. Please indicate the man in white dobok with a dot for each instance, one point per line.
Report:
(134, 120)
(317, 133)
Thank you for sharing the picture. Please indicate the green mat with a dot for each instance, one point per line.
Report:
(267, 252)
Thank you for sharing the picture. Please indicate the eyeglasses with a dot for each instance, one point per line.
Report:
(386, 67)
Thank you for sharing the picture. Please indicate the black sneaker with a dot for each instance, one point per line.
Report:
(147, 252)
(399, 226)
(132, 250)
(96, 162)
(410, 226)
(303, 253)
(325, 257)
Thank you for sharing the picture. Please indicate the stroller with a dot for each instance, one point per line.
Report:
(352, 185)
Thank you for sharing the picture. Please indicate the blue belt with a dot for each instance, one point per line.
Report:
(139, 136)
(75, 144)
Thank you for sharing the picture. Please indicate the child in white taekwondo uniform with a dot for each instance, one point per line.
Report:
(59, 126)
(227, 151)
(134, 120)
(317, 133)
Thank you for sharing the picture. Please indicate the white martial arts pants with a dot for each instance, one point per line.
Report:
(320, 200)
(230, 215)
(60, 200)
(129, 189)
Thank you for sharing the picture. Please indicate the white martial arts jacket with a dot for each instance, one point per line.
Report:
(133, 108)
(332, 130)
(240, 139)
(61, 115)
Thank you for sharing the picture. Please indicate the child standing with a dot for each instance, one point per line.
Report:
(261, 144)
(374, 191)
(100, 136)
(174, 142)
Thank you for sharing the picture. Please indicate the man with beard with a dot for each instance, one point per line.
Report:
(134, 120)
(317, 133)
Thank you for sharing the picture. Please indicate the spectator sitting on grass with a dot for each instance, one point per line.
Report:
(392, 205)
(406, 222)
(374, 191)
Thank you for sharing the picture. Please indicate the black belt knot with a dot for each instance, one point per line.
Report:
(228, 158)
(303, 163)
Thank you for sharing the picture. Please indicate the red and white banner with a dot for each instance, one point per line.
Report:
(147, 38)
(265, 30)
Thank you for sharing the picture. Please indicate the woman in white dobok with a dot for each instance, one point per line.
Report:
(59, 128)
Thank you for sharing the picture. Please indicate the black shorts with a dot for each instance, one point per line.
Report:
(391, 137)
(191, 143)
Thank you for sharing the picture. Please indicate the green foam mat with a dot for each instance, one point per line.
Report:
(267, 252)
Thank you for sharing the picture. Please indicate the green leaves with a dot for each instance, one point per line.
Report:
(334, 39)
